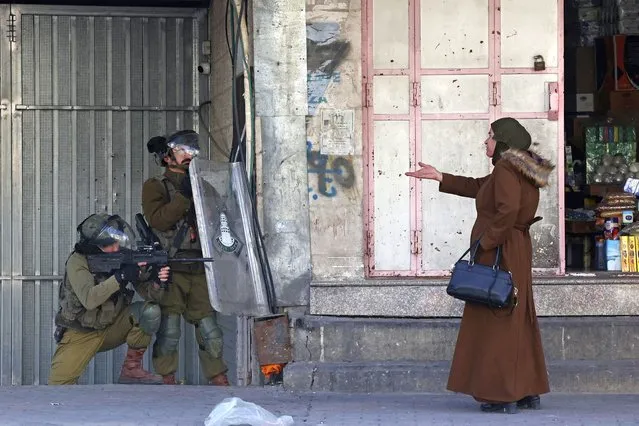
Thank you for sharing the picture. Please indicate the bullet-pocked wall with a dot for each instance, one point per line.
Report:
(334, 138)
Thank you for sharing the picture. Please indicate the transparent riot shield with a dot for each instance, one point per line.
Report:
(226, 227)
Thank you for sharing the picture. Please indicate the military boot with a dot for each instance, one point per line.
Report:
(132, 371)
(169, 379)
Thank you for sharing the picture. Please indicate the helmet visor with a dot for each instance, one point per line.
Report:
(188, 143)
(116, 230)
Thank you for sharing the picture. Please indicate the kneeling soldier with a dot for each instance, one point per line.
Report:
(95, 310)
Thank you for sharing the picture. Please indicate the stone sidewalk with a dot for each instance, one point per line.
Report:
(190, 405)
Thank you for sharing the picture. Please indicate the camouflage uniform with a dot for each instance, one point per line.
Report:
(167, 211)
(98, 316)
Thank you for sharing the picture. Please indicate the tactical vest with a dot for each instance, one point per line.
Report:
(72, 314)
(178, 238)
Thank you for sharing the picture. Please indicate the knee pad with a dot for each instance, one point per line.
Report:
(168, 336)
(147, 315)
(210, 336)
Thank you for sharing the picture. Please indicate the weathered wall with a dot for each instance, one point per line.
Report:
(334, 137)
(280, 104)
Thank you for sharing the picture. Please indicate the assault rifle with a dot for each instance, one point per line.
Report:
(150, 252)
(109, 262)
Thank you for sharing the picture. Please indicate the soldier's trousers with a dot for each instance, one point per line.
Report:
(77, 348)
(188, 296)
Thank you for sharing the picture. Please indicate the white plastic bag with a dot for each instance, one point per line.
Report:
(235, 411)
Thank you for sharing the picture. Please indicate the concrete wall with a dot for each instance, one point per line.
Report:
(334, 153)
(279, 49)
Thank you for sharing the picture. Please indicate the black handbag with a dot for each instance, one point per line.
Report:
(476, 283)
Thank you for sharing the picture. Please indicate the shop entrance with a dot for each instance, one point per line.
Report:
(602, 112)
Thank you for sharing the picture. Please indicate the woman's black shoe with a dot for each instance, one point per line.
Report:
(506, 407)
(533, 402)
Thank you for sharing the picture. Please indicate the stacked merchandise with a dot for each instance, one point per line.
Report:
(609, 17)
(588, 25)
(611, 153)
(617, 210)
(618, 17)
(614, 169)
(600, 18)
(627, 16)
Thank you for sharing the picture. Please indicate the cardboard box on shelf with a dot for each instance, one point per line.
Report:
(625, 259)
(632, 253)
(624, 101)
(585, 102)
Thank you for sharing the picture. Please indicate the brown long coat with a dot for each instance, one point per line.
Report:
(499, 357)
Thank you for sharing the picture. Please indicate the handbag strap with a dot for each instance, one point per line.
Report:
(473, 252)
(495, 273)
(472, 247)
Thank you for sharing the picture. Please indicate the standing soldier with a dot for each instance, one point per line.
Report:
(95, 310)
(167, 203)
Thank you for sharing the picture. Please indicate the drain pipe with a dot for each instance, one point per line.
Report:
(248, 92)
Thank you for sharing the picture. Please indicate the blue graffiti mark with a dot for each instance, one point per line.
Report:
(317, 84)
(316, 88)
(341, 172)
(320, 76)
(324, 54)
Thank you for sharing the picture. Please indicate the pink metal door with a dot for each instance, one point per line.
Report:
(436, 73)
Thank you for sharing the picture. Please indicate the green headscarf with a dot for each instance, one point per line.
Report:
(509, 133)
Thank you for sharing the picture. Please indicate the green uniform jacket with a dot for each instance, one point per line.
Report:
(166, 211)
(160, 211)
(92, 302)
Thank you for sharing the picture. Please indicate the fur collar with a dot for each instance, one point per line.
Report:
(530, 164)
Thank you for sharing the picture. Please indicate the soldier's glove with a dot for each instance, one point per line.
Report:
(185, 186)
(127, 274)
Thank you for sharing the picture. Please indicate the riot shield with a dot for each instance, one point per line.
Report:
(225, 218)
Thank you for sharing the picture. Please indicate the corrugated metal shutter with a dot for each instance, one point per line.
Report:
(89, 87)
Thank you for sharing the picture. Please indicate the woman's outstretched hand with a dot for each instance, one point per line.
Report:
(426, 172)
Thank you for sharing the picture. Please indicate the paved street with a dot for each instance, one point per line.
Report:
(190, 405)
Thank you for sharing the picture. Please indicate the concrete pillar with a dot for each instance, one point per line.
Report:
(281, 105)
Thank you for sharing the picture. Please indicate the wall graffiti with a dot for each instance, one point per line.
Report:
(325, 52)
(331, 171)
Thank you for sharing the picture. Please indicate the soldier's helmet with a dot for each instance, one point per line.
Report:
(185, 140)
(102, 230)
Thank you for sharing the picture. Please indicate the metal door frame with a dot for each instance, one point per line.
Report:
(11, 192)
(10, 352)
(415, 117)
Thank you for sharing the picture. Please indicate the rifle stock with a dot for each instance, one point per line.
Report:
(146, 233)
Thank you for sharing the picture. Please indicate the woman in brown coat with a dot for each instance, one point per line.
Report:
(499, 358)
